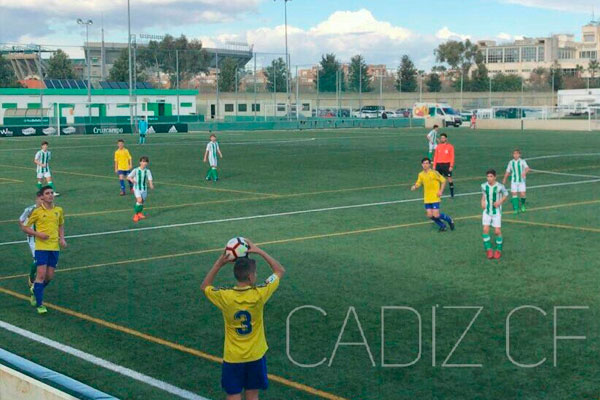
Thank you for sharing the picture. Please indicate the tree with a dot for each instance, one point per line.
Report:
(120, 69)
(439, 68)
(555, 77)
(170, 53)
(593, 68)
(60, 66)
(276, 76)
(450, 53)
(358, 77)
(579, 70)
(329, 74)
(507, 83)
(228, 69)
(407, 75)
(433, 82)
(480, 81)
(7, 75)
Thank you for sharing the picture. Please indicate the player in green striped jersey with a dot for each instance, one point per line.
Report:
(23, 222)
(42, 160)
(517, 169)
(141, 177)
(210, 155)
(494, 194)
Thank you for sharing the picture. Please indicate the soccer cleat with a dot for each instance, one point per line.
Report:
(451, 223)
(122, 193)
(136, 217)
(523, 209)
(42, 310)
(497, 254)
(141, 215)
(32, 299)
(490, 254)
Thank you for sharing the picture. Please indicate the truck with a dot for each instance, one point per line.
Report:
(438, 110)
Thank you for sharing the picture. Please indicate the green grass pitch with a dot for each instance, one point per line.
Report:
(335, 208)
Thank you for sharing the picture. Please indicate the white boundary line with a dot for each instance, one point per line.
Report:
(562, 155)
(564, 174)
(288, 213)
(184, 394)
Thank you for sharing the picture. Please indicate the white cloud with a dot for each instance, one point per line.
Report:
(447, 34)
(344, 33)
(42, 17)
(578, 6)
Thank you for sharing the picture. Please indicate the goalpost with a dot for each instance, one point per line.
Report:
(106, 117)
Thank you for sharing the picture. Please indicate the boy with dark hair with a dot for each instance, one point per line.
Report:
(42, 160)
(433, 188)
(122, 165)
(494, 194)
(432, 141)
(212, 149)
(443, 160)
(49, 235)
(517, 169)
(141, 178)
(244, 362)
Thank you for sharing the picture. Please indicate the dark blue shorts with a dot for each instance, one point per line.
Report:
(123, 172)
(239, 376)
(46, 257)
(432, 206)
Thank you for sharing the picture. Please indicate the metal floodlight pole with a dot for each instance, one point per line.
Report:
(177, 71)
(490, 91)
(255, 101)
(462, 73)
(420, 88)
(287, 57)
(87, 24)
(129, 49)
(360, 83)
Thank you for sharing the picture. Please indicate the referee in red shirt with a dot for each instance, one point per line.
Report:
(443, 160)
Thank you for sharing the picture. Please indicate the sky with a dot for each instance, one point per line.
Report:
(381, 30)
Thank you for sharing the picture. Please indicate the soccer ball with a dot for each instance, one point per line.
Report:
(236, 248)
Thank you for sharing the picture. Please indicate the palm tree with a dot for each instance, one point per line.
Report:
(578, 70)
(593, 68)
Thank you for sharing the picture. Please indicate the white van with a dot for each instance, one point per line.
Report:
(438, 110)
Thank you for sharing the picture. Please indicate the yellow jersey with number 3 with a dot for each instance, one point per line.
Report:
(242, 309)
(431, 182)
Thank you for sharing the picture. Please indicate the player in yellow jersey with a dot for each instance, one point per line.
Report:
(244, 362)
(433, 187)
(49, 235)
(123, 165)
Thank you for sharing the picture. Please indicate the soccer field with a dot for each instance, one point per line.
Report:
(334, 207)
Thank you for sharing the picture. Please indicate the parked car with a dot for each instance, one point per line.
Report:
(390, 114)
(403, 112)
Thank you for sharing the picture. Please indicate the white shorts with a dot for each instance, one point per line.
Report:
(493, 220)
(140, 193)
(432, 147)
(31, 243)
(517, 187)
(41, 175)
(212, 161)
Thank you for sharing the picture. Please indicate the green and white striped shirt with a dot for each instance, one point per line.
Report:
(44, 158)
(25, 217)
(516, 168)
(212, 148)
(141, 178)
(493, 194)
(432, 137)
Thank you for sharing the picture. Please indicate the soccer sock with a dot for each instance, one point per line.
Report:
(499, 243)
(430, 155)
(122, 183)
(438, 222)
(39, 185)
(515, 203)
(38, 292)
(445, 217)
(209, 173)
(487, 241)
(451, 188)
(214, 174)
(33, 271)
(138, 208)
(51, 184)
(522, 201)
